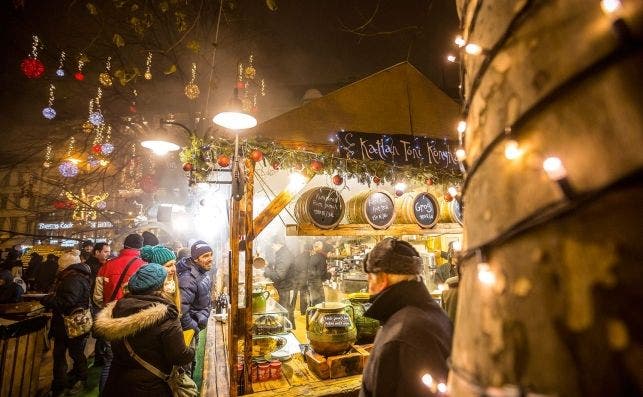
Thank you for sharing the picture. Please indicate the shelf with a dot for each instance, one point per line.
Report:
(367, 230)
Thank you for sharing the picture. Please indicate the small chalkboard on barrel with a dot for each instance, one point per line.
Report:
(374, 207)
(321, 206)
(421, 208)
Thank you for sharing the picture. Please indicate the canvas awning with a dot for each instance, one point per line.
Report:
(397, 100)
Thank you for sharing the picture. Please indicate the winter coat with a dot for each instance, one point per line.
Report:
(10, 291)
(110, 273)
(46, 274)
(71, 291)
(279, 271)
(415, 339)
(33, 267)
(317, 270)
(194, 285)
(151, 325)
(300, 270)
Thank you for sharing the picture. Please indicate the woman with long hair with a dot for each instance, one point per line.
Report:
(165, 257)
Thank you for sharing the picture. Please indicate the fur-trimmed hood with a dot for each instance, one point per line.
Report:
(131, 315)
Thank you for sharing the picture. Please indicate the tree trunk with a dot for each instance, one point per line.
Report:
(559, 313)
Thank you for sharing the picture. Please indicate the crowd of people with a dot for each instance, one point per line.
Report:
(143, 300)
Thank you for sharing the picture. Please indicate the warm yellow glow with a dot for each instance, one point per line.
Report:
(443, 287)
(554, 168)
(296, 182)
(451, 58)
(610, 6)
(160, 148)
(485, 274)
(473, 49)
(73, 160)
(459, 41)
(460, 154)
(456, 245)
(452, 191)
(400, 186)
(442, 388)
(427, 380)
(234, 120)
(512, 150)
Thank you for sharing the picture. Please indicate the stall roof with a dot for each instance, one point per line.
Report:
(397, 100)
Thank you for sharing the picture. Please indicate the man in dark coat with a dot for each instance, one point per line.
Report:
(300, 279)
(195, 285)
(46, 274)
(71, 291)
(150, 324)
(410, 352)
(279, 271)
(317, 273)
(100, 254)
(10, 291)
(33, 267)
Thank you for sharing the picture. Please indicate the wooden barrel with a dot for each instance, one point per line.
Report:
(321, 206)
(450, 211)
(375, 207)
(419, 208)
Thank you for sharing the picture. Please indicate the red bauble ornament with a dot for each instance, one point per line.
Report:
(448, 197)
(241, 85)
(69, 205)
(132, 109)
(398, 193)
(275, 165)
(79, 76)
(256, 155)
(58, 204)
(429, 181)
(148, 184)
(32, 68)
(377, 180)
(316, 165)
(338, 180)
(223, 160)
(97, 148)
(187, 167)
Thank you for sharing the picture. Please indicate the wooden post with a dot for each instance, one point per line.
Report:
(247, 353)
(234, 296)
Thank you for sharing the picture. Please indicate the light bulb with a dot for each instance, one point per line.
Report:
(485, 274)
(473, 49)
(452, 191)
(460, 154)
(462, 126)
(442, 388)
(400, 186)
(512, 151)
(427, 379)
(459, 41)
(554, 168)
(610, 6)
(451, 58)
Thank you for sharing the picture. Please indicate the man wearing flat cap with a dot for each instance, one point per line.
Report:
(415, 338)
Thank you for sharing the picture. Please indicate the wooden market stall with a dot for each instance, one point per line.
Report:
(398, 100)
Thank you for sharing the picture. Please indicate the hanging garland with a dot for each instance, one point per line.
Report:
(200, 158)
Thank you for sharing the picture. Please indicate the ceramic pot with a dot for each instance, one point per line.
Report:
(330, 328)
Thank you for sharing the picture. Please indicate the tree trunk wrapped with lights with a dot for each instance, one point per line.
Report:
(551, 274)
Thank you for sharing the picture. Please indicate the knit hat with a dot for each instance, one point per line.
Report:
(133, 241)
(199, 248)
(157, 254)
(149, 277)
(393, 256)
(69, 258)
(149, 238)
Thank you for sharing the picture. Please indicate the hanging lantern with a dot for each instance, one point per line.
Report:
(192, 91)
(96, 118)
(32, 68)
(105, 79)
(49, 113)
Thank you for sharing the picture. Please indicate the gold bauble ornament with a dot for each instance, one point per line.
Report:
(250, 72)
(192, 91)
(88, 127)
(105, 79)
(148, 75)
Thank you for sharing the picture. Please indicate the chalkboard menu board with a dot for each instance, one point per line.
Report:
(379, 209)
(325, 206)
(337, 320)
(425, 209)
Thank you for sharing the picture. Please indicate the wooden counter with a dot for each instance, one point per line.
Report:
(297, 379)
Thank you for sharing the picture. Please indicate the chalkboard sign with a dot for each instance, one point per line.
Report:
(325, 206)
(379, 209)
(337, 320)
(425, 209)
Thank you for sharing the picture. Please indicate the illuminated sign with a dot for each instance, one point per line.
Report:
(55, 226)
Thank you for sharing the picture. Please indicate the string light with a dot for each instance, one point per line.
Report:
(452, 191)
(48, 155)
(60, 72)
(462, 126)
(49, 112)
(610, 6)
(442, 388)
(459, 41)
(427, 379)
(460, 154)
(451, 58)
(554, 168)
(96, 117)
(148, 66)
(191, 89)
(473, 49)
(81, 63)
(512, 150)
(104, 78)
(485, 274)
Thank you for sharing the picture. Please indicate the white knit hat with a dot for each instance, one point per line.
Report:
(69, 258)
